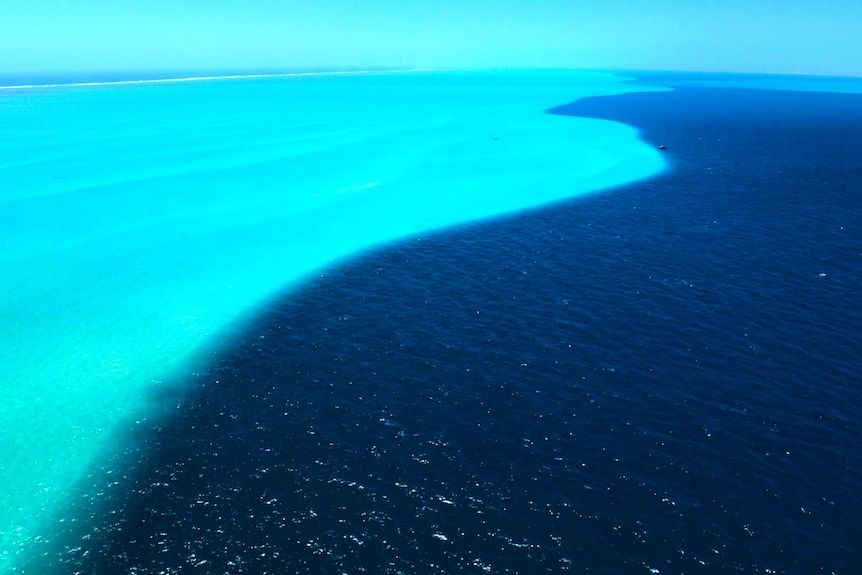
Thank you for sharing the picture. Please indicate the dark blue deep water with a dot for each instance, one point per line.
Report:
(659, 378)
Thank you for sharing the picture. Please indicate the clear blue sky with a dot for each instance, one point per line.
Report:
(787, 36)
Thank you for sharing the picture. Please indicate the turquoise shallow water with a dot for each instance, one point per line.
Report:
(139, 224)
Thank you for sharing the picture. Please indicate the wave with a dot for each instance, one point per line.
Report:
(210, 78)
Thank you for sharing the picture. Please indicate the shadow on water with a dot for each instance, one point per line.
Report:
(662, 377)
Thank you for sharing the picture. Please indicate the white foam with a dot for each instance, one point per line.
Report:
(212, 78)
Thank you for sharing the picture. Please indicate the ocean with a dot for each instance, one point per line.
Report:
(432, 323)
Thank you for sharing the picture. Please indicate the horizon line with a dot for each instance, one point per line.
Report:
(381, 71)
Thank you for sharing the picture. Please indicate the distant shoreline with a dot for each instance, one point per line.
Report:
(210, 78)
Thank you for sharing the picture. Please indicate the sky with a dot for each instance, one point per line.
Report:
(774, 36)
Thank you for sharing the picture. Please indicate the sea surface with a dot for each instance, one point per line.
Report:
(432, 323)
